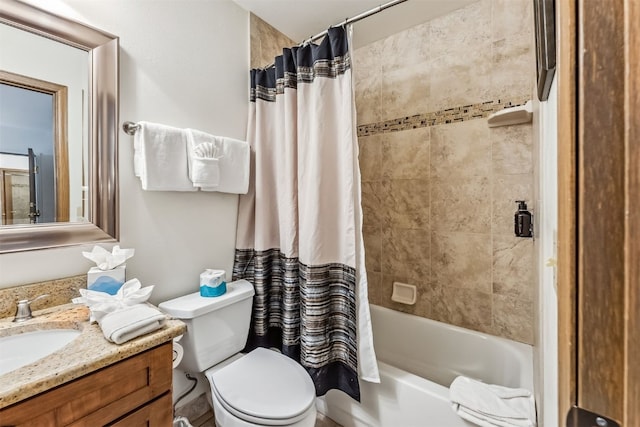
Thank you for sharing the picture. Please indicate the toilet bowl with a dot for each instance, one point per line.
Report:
(261, 388)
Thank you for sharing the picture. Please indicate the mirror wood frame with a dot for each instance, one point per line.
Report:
(103, 132)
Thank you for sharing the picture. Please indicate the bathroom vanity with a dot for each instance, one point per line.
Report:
(90, 381)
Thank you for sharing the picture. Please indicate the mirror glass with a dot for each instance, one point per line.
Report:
(43, 129)
(58, 130)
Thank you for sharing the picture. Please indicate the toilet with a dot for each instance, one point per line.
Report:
(261, 388)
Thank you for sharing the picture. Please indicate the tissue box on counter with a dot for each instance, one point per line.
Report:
(108, 281)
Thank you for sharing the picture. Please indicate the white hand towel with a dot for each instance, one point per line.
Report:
(160, 158)
(100, 303)
(490, 405)
(204, 152)
(131, 322)
(233, 162)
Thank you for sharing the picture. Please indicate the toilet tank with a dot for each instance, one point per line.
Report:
(217, 327)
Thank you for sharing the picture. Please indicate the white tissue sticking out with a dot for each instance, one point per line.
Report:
(208, 150)
(101, 303)
(106, 260)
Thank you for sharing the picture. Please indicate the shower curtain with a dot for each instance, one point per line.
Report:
(300, 225)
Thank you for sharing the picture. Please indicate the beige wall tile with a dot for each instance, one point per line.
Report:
(461, 205)
(468, 308)
(514, 67)
(513, 268)
(371, 204)
(511, 17)
(406, 203)
(512, 149)
(370, 157)
(266, 42)
(407, 48)
(405, 155)
(406, 253)
(367, 97)
(459, 79)
(366, 61)
(461, 260)
(460, 150)
(372, 248)
(465, 29)
(506, 190)
(405, 91)
(255, 53)
(513, 318)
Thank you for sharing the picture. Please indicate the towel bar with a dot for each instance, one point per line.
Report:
(130, 128)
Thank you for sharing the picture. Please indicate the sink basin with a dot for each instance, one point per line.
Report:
(22, 349)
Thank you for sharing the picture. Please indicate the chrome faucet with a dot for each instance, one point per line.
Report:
(23, 309)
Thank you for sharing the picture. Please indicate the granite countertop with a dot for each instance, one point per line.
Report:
(89, 352)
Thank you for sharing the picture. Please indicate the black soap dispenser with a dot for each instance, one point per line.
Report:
(523, 220)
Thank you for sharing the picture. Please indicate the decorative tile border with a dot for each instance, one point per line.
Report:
(433, 118)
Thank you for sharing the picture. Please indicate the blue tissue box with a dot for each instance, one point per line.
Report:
(108, 281)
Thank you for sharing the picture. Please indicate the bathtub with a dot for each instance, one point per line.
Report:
(418, 358)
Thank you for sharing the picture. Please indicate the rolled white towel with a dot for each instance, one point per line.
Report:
(222, 166)
(131, 322)
(490, 405)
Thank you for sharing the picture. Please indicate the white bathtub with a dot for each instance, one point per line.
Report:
(418, 359)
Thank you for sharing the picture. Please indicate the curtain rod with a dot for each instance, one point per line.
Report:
(357, 18)
(347, 21)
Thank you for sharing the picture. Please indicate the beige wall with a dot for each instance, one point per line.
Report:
(439, 186)
(266, 42)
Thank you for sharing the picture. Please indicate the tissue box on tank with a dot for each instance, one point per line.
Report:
(108, 281)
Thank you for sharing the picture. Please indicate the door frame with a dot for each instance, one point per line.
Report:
(60, 143)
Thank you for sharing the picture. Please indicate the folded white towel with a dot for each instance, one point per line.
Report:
(204, 152)
(101, 303)
(160, 158)
(131, 322)
(490, 405)
(233, 161)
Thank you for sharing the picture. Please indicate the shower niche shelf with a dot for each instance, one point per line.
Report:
(512, 116)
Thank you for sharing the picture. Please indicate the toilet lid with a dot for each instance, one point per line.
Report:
(266, 385)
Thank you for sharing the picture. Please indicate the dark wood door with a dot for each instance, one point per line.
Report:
(599, 202)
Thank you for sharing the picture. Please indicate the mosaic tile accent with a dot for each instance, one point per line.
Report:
(433, 118)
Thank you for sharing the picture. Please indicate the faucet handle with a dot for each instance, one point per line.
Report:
(23, 308)
(36, 298)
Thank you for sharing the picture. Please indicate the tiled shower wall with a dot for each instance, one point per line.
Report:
(266, 42)
(439, 198)
(439, 186)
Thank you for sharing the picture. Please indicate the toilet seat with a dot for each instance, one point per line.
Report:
(264, 388)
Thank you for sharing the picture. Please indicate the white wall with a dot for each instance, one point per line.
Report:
(546, 232)
(183, 63)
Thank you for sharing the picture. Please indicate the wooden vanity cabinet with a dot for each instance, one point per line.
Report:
(133, 392)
